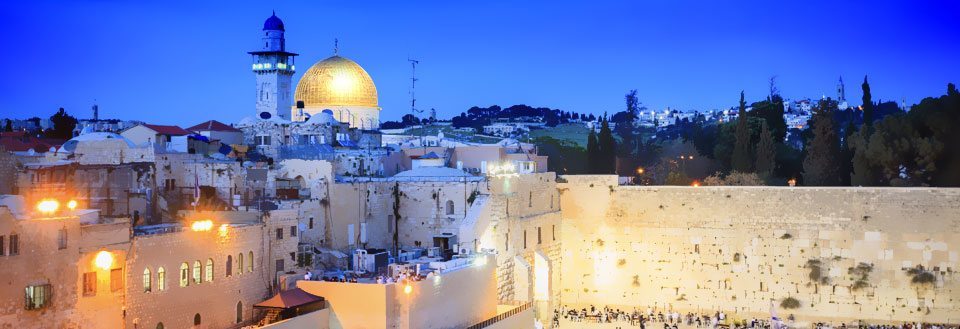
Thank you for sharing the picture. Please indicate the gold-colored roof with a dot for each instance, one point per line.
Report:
(336, 81)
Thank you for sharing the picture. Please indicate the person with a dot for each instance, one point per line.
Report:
(379, 280)
(308, 276)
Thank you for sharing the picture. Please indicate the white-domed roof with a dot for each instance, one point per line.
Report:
(325, 117)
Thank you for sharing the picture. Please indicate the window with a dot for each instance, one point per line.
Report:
(310, 225)
(524, 239)
(14, 245)
(2, 245)
(116, 280)
(161, 279)
(37, 297)
(184, 274)
(90, 284)
(239, 312)
(208, 271)
(450, 207)
(196, 272)
(279, 265)
(279, 234)
(250, 262)
(229, 266)
(530, 200)
(160, 325)
(240, 263)
(147, 280)
(62, 239)
(196, 319)
(293, 231)
(553, 232)
(539, 235)
(261, 140)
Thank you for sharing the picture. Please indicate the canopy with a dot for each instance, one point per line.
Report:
(289, 299)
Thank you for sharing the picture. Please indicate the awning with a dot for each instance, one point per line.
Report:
(289, 299)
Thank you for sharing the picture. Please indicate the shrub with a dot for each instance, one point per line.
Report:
(790, 303)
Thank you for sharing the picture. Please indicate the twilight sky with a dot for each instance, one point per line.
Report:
(184, 62)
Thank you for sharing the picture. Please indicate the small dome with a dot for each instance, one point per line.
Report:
(273, 23)
(325, 117)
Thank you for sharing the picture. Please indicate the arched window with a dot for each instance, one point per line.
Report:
(196, 272)
(250, 262)
(161, 279)
(208, 271)
(240, 264)
(184, 274)
(147, 280)
(160, 325)
(450, 207)
(196, 319)
(229, 266)
(239, 312)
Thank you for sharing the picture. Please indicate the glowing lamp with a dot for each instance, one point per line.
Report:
(407, 289)
(695, 184)
(48, 206)
(104, 260)
(201, 225)
(222, 230)
(72, 204)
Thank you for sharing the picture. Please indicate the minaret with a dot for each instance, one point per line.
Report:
(841, 94)
(96, 112)
(274, 68)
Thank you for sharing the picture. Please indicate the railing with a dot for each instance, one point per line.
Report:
(501, 317)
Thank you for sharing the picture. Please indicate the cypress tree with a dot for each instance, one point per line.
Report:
(821, 166)
(593, 154)
(867, 103)
(740, 159)
(766, 152)
(607, 147)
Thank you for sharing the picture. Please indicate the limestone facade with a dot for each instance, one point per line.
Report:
(878, 254)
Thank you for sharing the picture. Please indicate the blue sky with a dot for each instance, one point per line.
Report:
(183, 62)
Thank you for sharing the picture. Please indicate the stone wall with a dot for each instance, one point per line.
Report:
(847, 253)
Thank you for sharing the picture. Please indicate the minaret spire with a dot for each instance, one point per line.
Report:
(336, 47)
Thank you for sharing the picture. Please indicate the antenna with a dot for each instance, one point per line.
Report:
(413, 99)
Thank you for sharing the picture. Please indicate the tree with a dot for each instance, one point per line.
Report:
(863, 172)
(741, 160)
(821, 166)
(867, 103)
(735, 178)
(607, 148)
(766, 152)
(8, 127)
(63, 125)
(593, 153)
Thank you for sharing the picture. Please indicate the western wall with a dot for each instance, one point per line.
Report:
(877, 254)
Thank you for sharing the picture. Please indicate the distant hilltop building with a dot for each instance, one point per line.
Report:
(337, 84)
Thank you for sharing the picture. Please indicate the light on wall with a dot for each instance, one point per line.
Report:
(72, 204)
(104, 260)
(48, 206)
(201, 225)
(407, 289)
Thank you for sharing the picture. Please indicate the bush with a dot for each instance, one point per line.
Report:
(790, 303)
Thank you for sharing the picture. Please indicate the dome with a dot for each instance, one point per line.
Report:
(325, 117)
(336, 81)
(273, 23)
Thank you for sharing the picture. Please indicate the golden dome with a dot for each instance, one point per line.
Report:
(336, 81)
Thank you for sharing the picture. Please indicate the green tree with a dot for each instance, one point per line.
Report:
(63, 125)
(593, 153)
(607, 148)
(863, 172)
(624, 126)
(741, 159)
(8, 127)
(821, 166)
(766, 152)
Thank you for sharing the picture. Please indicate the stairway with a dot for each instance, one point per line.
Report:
(273, 315)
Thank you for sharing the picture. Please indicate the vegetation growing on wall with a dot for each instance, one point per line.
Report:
(790, 303)
(861, 276)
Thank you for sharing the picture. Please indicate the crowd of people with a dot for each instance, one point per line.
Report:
(404, 275)
(669, 319)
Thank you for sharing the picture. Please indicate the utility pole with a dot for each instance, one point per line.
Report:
(413, 100)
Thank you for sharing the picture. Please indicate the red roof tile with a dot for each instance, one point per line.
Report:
(168, 130)
(213, 125)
